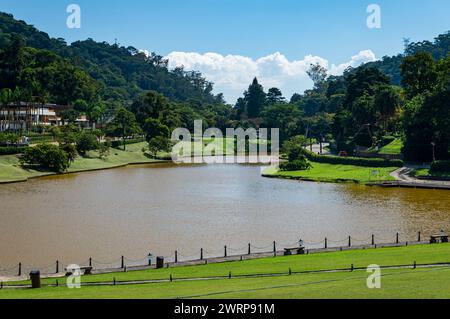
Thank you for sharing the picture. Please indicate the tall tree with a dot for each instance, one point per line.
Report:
(418, 74)
(255, 99)
(318, 74)
(123, 125)
(275, 96)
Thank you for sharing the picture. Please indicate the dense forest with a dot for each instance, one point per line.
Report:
(403, 97)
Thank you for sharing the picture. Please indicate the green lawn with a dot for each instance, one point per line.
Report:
(10, 169)
(336, 173)
(395, 147)
(402, 283)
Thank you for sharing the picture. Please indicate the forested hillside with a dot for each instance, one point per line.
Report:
(122, 73)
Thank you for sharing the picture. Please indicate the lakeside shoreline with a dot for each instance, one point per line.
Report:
(118, 158)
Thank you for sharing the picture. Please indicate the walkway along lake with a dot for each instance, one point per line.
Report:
(161, 208)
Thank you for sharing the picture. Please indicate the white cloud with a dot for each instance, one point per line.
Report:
(232, 74)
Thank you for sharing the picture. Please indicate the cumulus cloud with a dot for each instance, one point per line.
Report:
(231, 74)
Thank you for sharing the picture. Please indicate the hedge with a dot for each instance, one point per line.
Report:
(11, 150)
(357, 161)
(440, 166)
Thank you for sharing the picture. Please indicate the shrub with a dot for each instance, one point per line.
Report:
(47, 156)
(296, 165)
(440, 166)
(70, 150)
(11, 150)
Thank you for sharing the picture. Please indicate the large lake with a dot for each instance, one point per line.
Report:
(160, 208)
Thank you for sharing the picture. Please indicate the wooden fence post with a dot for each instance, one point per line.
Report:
(418, 239)
(201, 253)
(326, 243)
(373, 240)
(274, 249)
(122, 263)
(57, 267)
(249, 249)
(20, 269)
(225, 251)
(397, 239)
(90, 262)
(176, 256)
(349, 241)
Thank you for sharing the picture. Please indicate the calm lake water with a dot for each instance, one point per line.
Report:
(161, 208)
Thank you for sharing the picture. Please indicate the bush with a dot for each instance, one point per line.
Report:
(296, 165)
(11, 150)
(357, 161)
(86, 142)
(440, 166)
(47, 156)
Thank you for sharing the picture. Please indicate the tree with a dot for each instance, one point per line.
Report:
(151, 104)
(387, 100)
(12, 62)
(86, 141)
(46, 156)
(154, 128)
(70, 116)
(123, 125)
(81, 106)
(286, 117)
(427, 118)
(274, 96)
(294, 147)
(318, 74)
(418, 74)
(157, 144)
(255, 98)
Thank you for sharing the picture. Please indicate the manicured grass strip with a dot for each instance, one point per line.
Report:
(337, 173)
(422, 254)
(418, 283)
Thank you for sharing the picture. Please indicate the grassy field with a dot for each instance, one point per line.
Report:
(395, 147)
(10, 169)
(321, 172)
(396, 283)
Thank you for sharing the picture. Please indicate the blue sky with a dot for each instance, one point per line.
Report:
(334, 30)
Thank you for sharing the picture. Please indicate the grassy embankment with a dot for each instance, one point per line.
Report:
(395, 147)
(396, 283)
(11, 170)
(321, 172)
